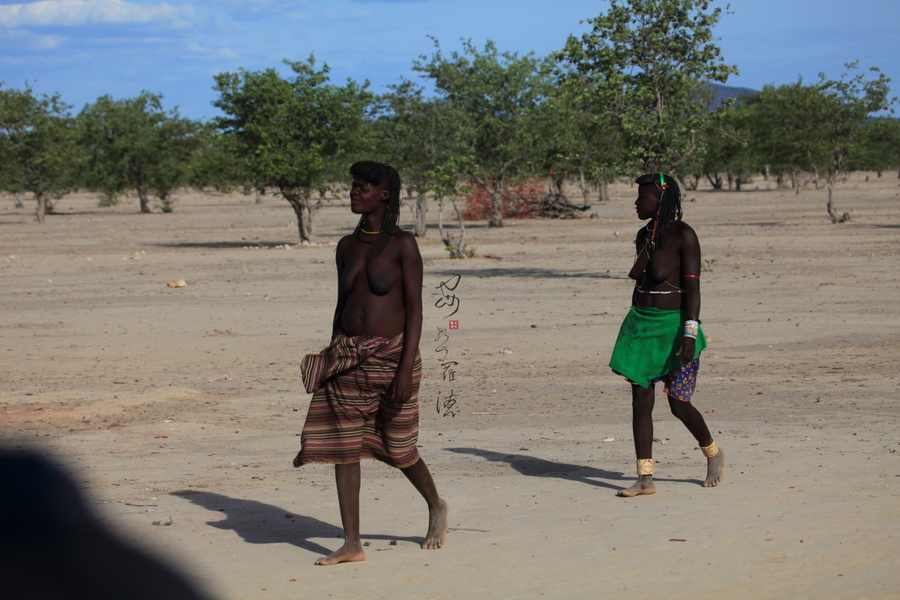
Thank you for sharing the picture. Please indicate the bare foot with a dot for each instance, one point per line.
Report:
(643, 486)
(346, 553)
(438, 523)
(715, 469)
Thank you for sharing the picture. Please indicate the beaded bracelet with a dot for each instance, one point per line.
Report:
(691, 327)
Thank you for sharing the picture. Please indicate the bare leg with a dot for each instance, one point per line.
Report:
(347, 478)
(693, 420)
(438, 510)
(642, 426)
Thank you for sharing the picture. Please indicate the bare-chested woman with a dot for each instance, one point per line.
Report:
(365, 384)
(661, 339)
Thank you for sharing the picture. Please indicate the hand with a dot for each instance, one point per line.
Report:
(401, 388)
(686, 351)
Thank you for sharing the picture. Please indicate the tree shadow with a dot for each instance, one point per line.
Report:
(879, 225)
(220, 245)
(531, 466)
(259, 523)
(524, 272)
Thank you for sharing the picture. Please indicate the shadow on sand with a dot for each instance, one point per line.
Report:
(531, 466)
(259, 523)
(525, 273)
(225, 245)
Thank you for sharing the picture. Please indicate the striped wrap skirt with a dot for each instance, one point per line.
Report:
(349, 415)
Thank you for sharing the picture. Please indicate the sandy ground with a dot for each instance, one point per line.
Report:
(183, 406)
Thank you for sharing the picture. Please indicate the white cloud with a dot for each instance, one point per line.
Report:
(83, 12)
(211, 53)
(26, 39)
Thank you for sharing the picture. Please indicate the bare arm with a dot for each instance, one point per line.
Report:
(337, 325)
(690, 281)
(411, 268)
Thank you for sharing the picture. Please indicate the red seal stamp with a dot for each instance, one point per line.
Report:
(454, 324)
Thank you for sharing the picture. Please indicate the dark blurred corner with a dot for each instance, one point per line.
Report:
(53, 548)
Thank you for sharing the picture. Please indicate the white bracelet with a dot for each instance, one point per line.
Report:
(691, 328)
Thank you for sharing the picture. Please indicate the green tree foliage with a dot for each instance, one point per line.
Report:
(296, 134)
(418, 135)
(879, 148)
(581, 140)
(38, 153)
(780, 121)
(494, 99)
(727, 149)
(646, 63)
(135, 144)
(215, 162)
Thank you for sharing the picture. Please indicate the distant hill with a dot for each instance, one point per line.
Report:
(726, 92)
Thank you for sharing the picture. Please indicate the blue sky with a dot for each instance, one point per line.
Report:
(84, 49)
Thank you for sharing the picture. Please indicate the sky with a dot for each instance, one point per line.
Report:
(84, 49)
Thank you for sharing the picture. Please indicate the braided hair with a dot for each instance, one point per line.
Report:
(669, 211)
(380, 174)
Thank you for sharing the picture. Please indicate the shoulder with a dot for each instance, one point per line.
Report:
(406, 240)
(344, 241)
(685, 235)
(405, 245)
(683, 230)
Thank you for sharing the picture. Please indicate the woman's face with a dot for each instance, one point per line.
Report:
(647, 202)
(366, 198)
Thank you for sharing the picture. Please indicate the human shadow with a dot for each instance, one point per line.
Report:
(259, 523)
(531, 466)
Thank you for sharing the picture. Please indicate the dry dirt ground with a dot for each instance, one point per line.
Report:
(183, 406)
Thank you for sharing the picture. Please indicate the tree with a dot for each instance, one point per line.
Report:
(494, 97)
(214, 162)
(647, 62)
(422, 137)
(727, 149)
(444, 182)
(135, 144)
(582, 139)
(879, 148)
(844, 110)
(38, 153)
(294, 134)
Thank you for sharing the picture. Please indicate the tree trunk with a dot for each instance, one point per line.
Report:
(144, 197)
(257, 197)
(418, 207)
(41, 198)
(832, 211)
(584, 187)
(730, 177)
(421, 212)
(302, 206)
(604, 190)
(456, 248)
(766, 174)
(497, 205)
